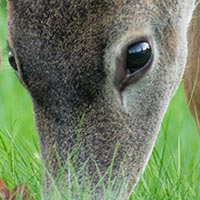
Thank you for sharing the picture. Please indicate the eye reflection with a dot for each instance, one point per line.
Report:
(138, 55)
(11, 59)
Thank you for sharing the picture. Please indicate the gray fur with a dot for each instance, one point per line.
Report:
(68, 56)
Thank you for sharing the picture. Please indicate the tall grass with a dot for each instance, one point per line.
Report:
(173, 171)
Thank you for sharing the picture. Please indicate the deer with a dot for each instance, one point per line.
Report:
(115, 65)
(191, 78)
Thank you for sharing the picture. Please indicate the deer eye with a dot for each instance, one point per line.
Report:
(139, 56)
(11, 59)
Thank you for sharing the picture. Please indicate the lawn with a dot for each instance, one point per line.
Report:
(173, 171)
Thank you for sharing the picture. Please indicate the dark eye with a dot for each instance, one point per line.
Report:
(11, 59)
(139, 56)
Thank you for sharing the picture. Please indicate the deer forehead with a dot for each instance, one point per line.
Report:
(64, 20)
(94, 8)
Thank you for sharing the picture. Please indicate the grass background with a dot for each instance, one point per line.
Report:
(173, 171)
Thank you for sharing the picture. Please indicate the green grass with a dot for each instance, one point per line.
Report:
(174, 168)
(173, 171)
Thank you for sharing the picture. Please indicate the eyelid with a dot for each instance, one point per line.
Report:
(131, 78)
(10, 50)
(8, 45)
(11, 57)
(124, 79)
(135, 41)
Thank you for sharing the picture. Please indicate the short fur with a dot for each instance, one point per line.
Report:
(69, 56)
(192, 72)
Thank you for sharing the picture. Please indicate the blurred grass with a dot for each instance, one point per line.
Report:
(172, 173)
(18, 138)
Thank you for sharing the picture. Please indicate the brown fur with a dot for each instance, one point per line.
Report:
(192, 73)
(71, 56)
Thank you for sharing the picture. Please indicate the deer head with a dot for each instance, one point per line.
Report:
(117, 63)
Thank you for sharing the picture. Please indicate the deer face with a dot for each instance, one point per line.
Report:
(116, 62)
